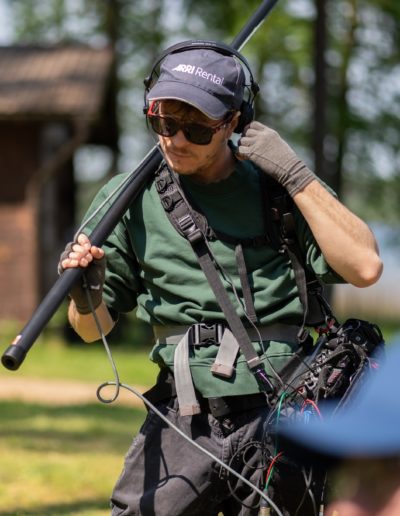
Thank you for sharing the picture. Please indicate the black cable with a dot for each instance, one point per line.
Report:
(242, 451)
(290, 393)
(308, 491)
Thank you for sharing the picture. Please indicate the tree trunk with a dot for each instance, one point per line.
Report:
(319, 132)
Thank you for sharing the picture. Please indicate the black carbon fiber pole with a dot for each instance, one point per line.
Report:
(253, 23)
(15, 354)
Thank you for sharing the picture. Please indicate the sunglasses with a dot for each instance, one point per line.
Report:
(195, 133)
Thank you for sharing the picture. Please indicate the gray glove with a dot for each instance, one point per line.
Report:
(92, 281)
(273, 155)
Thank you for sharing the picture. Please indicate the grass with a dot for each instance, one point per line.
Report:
(64, 460)
(51, 358)
(85, 362)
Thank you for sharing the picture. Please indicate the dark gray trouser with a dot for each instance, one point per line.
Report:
(164, 475)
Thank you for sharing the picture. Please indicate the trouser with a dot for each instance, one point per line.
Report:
(165, 475)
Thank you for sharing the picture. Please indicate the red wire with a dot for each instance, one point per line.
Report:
(311, 402)
(271, 466)
(325, 329)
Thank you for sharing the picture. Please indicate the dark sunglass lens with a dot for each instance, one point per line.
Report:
(198, 134)
(194, 133)
(171, 126)
(164, 126)
(155, 124)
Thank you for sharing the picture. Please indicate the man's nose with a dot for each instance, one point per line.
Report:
(179, 139)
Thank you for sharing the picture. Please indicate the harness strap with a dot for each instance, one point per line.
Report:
(180, 205)
(235, 324)
(278, 215)
(180, 214)
(300, 279)
(224, 364)
(244, 282)
(203, 334)
(188, 403)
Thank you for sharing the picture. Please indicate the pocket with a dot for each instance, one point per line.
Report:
(148, 426)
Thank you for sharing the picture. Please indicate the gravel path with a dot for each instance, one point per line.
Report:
(60, 392)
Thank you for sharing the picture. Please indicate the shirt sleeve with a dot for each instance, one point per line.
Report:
(122, 282)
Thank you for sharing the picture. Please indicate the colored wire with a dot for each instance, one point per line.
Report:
(271, 469)
(314, 405)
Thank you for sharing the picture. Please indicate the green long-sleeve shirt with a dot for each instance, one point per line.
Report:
(149, 265)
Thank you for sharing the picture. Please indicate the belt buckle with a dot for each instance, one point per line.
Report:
(204, 334)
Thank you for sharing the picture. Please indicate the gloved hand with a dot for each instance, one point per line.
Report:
(273, 155)
(82, 254)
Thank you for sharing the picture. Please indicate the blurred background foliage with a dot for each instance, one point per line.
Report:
(328, 69)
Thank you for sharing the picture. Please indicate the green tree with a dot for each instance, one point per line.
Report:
(328, 71)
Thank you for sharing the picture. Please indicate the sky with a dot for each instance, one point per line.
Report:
(5, 23)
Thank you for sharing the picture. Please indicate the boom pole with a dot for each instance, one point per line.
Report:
(15, 354)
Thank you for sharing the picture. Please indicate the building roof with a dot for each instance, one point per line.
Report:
(42, 82)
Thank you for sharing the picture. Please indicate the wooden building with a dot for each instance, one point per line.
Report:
(53, 99)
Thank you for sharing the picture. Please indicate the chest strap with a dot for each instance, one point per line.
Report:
(202, 335)
(180, 205)
(181, 217)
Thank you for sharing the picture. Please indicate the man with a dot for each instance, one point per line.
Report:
(360, 443)
(205, 385)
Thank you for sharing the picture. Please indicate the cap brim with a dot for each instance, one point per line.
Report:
(196, 97)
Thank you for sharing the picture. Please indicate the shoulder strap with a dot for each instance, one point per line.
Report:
(213, 234)
(280, 223)
(280, 233)
(180, 215)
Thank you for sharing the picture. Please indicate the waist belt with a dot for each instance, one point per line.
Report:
(204, 334)
(221, 407)
(165, 389)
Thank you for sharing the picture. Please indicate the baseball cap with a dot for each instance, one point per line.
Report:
(368, 426)
(207, 80)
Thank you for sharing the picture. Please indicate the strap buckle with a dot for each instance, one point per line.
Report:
(189, 228)
(203, 334)
(314, 287)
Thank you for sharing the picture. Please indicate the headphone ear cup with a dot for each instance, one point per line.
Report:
(246, 116)
(147, 84)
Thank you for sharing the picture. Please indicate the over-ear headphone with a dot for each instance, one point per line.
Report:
(247, 106)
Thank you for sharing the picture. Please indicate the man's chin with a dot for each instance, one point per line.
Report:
(180, 167)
